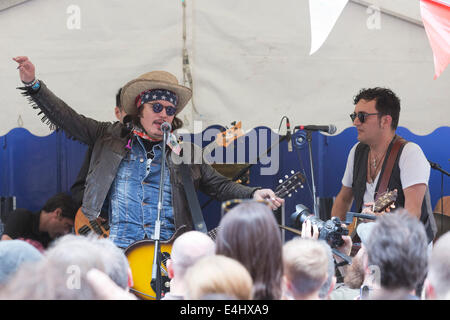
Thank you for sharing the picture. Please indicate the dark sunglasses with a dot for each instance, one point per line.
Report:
(361, 116)
(158, 107)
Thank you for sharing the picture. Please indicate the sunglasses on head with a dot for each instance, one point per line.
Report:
(361, 116)
(230, 204)
(158, 107)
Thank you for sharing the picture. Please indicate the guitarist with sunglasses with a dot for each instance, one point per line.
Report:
(383, 161)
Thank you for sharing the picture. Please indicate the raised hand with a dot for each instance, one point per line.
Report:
(26, 69)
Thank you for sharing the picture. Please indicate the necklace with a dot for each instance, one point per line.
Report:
(374, 166)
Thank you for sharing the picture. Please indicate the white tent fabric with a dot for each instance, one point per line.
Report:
(249, 60)
(323, 15)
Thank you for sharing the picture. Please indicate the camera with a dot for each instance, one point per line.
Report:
(331, 230)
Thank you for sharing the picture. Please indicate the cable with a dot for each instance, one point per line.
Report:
(281, 122)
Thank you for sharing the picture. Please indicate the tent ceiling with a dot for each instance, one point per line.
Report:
(248, 62)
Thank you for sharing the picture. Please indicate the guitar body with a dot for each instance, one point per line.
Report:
(83, 226)
(382, 203)
(140, 257)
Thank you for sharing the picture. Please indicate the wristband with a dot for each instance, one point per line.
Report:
(29, 84)
(36, 85)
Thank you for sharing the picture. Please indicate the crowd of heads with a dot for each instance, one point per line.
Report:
(248, 261)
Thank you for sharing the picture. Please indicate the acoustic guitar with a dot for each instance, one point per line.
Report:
(140, 254)
(381, 204)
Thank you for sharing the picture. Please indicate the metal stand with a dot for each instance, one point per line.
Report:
(156, 268)
(316, 205)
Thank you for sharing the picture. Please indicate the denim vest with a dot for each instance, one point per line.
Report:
(133, 198)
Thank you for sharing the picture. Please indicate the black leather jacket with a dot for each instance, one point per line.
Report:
(109, 150)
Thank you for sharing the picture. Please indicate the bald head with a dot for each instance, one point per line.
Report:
(188, 248)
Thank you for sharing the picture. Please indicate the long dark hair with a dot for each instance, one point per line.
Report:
(249, 233)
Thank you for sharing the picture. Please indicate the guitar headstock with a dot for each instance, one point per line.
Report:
(286, 187)
(385, 200)
(226, 137)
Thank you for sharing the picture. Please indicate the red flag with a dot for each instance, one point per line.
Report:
(436, 20)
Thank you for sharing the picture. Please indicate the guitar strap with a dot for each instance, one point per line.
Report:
(382, 187)
(191, 196)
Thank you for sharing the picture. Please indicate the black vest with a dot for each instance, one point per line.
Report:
(359, 186)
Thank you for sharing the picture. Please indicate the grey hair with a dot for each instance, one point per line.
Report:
(90, 252)
(439, 268)
(398, 247)
(331, 272)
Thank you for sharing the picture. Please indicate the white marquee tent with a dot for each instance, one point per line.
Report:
(249, 60)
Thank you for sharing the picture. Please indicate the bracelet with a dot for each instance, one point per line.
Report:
(36, 85)
(29, 84)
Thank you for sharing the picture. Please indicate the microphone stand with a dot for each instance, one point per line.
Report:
(156, 268)
(437, 167)
(316, 205)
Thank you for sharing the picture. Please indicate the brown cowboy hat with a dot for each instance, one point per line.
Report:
(153, 80)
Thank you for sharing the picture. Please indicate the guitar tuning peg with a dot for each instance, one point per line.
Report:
(302, 186)
(295, 191)
(289, 195)
(286, 176)
(280, 181)
(292, 172)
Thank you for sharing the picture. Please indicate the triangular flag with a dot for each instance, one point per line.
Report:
(323, 16)
(436, 20)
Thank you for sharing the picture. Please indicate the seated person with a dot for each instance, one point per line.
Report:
(56, 218)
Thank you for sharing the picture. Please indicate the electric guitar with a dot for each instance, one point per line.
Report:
(381, 204)
(83, 226)
(100, 226)
(140, 254)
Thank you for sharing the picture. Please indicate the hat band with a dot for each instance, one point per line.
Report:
(156, 94)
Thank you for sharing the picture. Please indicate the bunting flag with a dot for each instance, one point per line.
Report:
(323, 16)
(436, 20)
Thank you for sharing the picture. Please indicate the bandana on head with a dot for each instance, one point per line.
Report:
(156, 94)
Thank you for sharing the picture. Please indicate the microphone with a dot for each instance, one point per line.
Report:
(289, 135)
(434, 165)
(331, 128)
(166, 127)
(127, 126)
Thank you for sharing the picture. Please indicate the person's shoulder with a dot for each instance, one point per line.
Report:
(412, 151)
(412, 147)
(21, 213)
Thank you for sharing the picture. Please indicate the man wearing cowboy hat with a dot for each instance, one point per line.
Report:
(125, 168)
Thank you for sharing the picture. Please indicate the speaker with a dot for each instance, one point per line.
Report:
(7, 204)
